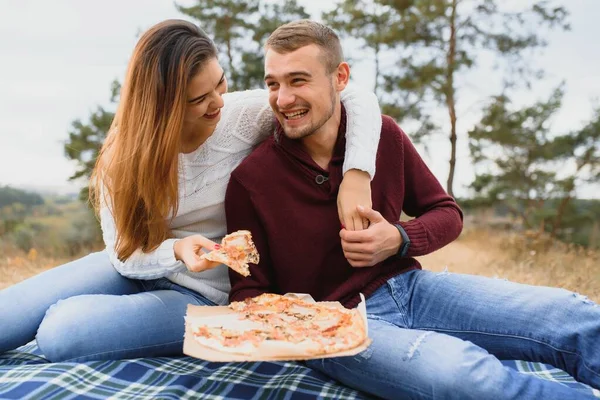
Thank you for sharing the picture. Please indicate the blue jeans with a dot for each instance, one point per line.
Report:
(85, 310)
(441, 336)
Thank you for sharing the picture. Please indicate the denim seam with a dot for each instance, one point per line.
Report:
(524, 338)
(398, 304)
(118, 351)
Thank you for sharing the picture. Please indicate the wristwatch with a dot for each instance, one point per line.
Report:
(405, 242)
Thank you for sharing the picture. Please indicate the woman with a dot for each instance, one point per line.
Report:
(159, 186)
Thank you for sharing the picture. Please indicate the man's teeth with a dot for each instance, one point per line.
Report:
(295, 115)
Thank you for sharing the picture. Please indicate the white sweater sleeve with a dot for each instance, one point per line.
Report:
(363, 129)
(156, 264)
(249, 116)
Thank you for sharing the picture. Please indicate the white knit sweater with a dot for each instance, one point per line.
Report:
(246, 120)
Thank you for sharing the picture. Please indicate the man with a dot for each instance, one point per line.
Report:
(434, 335)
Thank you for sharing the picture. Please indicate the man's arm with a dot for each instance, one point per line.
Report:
(438, 219)
(437, 222)
(241, 214)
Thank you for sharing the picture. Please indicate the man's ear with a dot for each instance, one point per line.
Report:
(342, 76)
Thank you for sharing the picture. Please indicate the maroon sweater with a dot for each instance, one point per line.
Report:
(277, 193)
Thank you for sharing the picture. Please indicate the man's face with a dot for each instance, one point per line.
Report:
(301, 91)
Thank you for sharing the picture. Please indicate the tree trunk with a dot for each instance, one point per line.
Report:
(233, 76)
(231, 69)
(377, 71)
(450, 100)
(594, 234)
(559, 216)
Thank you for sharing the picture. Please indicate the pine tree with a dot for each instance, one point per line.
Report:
(435, 42)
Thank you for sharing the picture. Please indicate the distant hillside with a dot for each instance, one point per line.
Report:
(55, 224)
(10, 196)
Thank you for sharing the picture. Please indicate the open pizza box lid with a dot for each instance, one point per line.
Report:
(192, 348)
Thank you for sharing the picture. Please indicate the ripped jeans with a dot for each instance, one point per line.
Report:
(441, 336)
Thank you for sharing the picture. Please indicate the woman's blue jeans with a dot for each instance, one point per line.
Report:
(85, 310)
(442, 335)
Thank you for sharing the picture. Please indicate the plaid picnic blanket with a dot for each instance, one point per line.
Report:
(25, 374)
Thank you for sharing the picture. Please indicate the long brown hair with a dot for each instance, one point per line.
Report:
(136, 172)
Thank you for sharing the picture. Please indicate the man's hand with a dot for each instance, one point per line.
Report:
(355, 190)
(368, 247)
(189, 249)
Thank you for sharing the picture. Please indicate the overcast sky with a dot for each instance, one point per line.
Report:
(58, 59)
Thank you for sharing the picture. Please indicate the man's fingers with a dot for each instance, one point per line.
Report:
(357, 247)
(370, 214)
(365, 223)
(360, 236)
(359, 264)
(357, 256)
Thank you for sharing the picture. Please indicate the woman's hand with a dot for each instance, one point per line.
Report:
(373, 245)
(355, 190)
(189, 249)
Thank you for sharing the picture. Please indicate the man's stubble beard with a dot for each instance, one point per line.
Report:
(312, 128)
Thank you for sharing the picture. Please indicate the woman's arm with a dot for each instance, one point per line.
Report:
(363, 129)
(173, 255)
(248, 116)
(156, 264)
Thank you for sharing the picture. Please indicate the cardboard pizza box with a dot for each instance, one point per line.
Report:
(194, 349)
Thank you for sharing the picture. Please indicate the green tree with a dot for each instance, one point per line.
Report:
(229, 23)
(271, 16)
(239, 29)
(86, 139)
(368, 21)
(436, 42)
(521, 163)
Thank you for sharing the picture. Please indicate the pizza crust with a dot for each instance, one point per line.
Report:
(237, 251)
(280, 327)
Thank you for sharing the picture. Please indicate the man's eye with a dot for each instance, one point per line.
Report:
(271, 84)
(298, 80)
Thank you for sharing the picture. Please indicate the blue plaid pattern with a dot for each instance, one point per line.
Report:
(25, 374)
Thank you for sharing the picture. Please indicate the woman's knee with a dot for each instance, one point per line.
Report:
(66, 329)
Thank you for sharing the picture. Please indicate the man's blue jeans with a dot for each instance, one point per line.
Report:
(441, 335)
(85, 310)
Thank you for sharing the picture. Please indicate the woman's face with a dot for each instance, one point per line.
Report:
(204, 101)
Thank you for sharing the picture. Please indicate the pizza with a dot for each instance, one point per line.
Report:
(236, 250)
(281, 326)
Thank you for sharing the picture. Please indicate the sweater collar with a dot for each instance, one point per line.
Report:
(295, 148)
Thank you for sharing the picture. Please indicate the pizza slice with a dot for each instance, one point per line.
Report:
(237, 251)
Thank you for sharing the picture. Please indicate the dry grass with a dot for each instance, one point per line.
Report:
(16, 265)
(525, 258)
